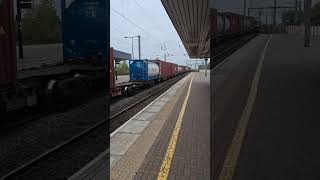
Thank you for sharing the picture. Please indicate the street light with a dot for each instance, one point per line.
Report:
(132, 56)
(138, 45)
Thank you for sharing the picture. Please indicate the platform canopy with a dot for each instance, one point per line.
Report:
(120, 56)
(192, 22)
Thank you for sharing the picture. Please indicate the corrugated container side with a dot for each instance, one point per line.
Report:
(213, 18)
(175, 69)
(112, 71)
(85, 26)
(233, 27)
(8, 61)
(183, 69)
(171, 69)
(165, 70)
(234, 22)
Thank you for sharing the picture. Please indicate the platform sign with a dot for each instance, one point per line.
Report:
(85, 26)
(25, 4)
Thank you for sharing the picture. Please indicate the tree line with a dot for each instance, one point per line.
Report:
(41, 24)
(123, 68)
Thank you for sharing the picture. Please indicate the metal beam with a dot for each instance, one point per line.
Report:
(307, 22)
(192, 22)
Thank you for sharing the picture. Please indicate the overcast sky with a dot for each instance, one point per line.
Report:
(150, 20)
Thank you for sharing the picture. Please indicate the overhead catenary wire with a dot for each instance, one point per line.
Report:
(129, 20)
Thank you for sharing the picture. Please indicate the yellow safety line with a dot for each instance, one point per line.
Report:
(232, 156)
(166, 163)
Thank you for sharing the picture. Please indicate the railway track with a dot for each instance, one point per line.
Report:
(21, 117)
(225, 50)
(61, 161)
(119, 118)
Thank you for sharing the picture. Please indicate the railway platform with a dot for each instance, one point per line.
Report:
(36, 56)
(266, 110)
(168, 138)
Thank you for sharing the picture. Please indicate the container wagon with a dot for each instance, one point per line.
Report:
(143, 73)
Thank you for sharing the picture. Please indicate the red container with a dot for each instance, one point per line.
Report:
(183, 69)
(235, 22)
(112, 72)
(165, 69)
(174, 69)
(8, 59)
(213, 17)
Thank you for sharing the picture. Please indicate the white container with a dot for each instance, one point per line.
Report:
(153, 69)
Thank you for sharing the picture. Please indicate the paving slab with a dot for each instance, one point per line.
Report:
(145, 116)
(134, 127)
(121, 142)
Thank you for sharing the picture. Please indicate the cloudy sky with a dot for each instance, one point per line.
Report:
(148, 19)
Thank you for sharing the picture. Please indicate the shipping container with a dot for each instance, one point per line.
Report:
(223, 23)
(184, 69)
(8, 59)
(213, 18)
(112, 72)
(144, 70)
(174, 69)
(165, 69)
(85, 26)
(234, 23)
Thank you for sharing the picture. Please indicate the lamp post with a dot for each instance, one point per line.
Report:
(132, 56)
(139, 44)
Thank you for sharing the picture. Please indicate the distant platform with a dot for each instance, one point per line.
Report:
(122, 79)
(40, 55)
(50, 55)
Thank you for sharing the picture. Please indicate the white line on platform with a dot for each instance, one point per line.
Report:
(235, 146)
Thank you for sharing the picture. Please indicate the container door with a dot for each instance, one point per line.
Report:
(137, 70)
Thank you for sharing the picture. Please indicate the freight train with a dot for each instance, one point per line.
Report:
(88, 62)
(144, 73)
(227, 25)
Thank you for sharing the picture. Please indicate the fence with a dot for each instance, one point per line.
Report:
(299, 30)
